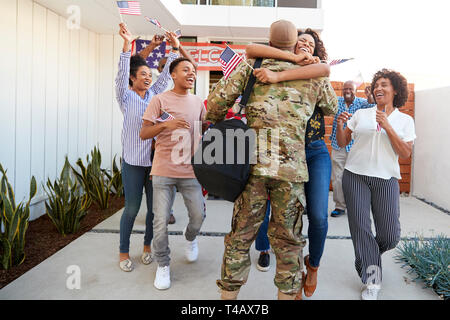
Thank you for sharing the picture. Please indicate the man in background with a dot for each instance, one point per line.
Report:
(348, 103)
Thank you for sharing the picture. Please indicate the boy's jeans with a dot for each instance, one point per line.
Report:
(163, 197)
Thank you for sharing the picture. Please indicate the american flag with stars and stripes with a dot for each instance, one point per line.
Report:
(157, 54)
(338, 61)
(154, 21)
(229, 59)
(129, 7)
(165, 117)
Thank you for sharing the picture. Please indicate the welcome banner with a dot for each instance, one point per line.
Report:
(207, 54)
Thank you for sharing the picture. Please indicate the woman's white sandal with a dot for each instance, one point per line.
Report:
(146, 258)
(126, 265)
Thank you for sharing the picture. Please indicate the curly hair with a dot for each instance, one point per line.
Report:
(319, 50)
(399, 83)
(136, 61)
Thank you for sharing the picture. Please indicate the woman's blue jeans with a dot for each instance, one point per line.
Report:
(135, 179)
(262, 240)
(316, 191)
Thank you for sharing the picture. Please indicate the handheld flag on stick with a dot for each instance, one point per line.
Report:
(129, 7)
(345, 70)
(156, 23)
(378, 124)
(165, 117)
(338, 61)
(133, 47)
(229, 59)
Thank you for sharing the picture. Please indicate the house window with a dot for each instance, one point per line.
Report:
(298, 3)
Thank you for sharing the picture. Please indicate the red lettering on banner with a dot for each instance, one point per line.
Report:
(193, 53)
(201, 60)
(206, 55)
(215, 58)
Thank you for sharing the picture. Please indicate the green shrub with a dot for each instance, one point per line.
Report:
(115, 178)
(66, 205)
(93, 179)
(13, 223)
(430, 260)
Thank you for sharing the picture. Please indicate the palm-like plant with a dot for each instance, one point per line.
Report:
(66, 205)
(115, 177)
(14, 222)
(93, 179)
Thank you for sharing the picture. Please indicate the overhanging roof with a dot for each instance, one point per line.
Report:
(212, 22)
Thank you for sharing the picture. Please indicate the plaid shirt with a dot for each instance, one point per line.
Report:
(358, 103)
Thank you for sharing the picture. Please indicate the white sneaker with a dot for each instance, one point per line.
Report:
(192, 250)
(370, 292)
(162, 279)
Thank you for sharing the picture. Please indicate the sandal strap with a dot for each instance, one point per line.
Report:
(126, 265)
(146, 257)
(308, 266)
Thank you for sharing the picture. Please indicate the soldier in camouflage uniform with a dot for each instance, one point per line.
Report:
(282, 109)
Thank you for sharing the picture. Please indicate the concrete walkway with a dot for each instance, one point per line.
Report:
(95, 256)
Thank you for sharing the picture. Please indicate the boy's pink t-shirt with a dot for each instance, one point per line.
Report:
(174, 149)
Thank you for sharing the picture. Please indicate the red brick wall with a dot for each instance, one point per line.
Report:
(408, 108)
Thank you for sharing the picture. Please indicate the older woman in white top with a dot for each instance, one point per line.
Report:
(382, 135)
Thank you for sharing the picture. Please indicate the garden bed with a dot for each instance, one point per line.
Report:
(43, 240)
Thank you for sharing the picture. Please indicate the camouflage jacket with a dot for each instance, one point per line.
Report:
(278, 113)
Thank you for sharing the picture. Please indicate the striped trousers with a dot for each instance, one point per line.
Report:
(363, 194)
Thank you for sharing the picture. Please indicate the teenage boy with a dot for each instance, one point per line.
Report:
(172, 117)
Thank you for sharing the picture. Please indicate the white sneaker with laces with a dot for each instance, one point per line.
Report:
(370, 292)
(191, 249)
(162, 279)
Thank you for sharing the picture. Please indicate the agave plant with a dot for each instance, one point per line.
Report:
(66, 205)
(429, 260)
(14, 222)
(94, 180)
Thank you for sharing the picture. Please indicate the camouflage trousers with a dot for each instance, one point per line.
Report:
(285, 233)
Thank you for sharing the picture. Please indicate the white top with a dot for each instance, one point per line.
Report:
(372, 153)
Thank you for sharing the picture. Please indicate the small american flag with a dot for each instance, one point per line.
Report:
(129, 7)
(338, 61)
(165, 117)
(229, 59)
(154, 21)
(133, 47)
(378, 126)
